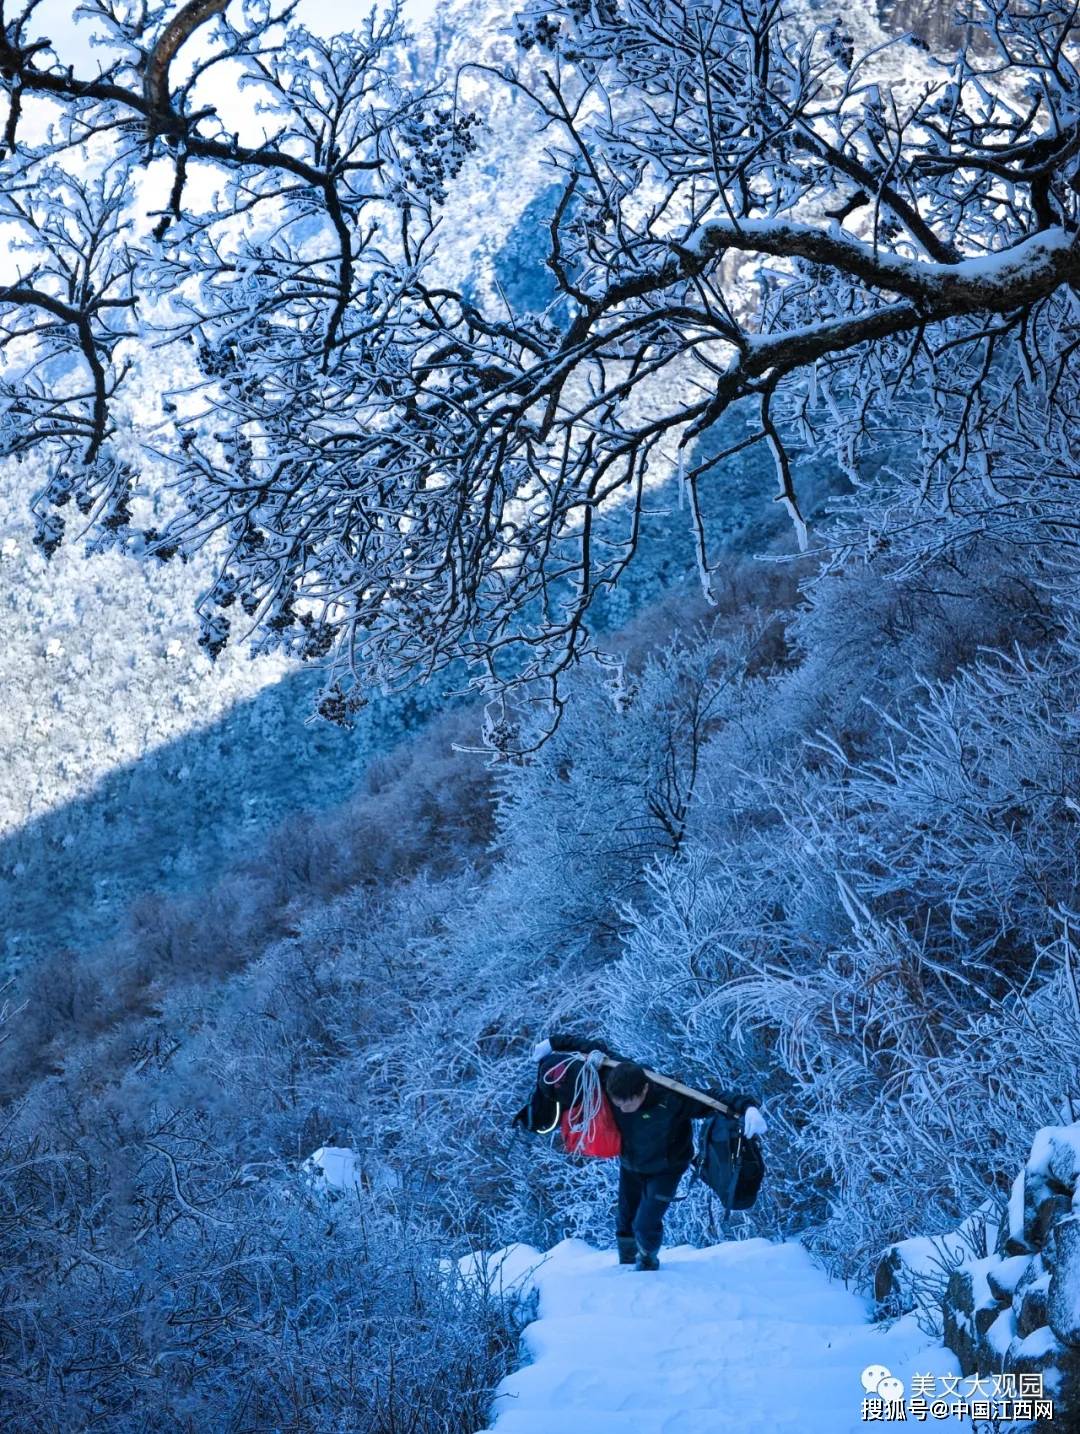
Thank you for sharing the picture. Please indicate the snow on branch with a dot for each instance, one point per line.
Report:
(401, 477)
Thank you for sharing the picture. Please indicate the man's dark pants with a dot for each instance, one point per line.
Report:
(643, 1202)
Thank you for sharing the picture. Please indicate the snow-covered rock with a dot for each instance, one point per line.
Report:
(1017, 1310)
(336, 1167)
(509, 1272)
(913, 1273)
(1050, 1189)
(1063, 1291)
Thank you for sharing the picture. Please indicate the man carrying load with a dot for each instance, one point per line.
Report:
(655, 1137)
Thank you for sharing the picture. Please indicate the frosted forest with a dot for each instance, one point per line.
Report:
(532, 519)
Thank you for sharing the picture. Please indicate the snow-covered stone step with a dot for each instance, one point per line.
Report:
(744, 1337)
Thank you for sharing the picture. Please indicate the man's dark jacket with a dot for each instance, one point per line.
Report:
(658, 1135)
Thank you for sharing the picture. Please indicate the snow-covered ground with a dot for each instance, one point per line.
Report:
(746, 1337)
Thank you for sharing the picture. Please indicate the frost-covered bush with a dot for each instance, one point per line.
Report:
(165, 1257)
(863, 921)
(859, 920)
(726, 862)
(243, 1302)
(395, 824)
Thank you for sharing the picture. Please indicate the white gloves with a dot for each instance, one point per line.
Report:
(754, 1123)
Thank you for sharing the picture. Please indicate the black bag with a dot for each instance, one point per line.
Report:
(556, 1084)
(730, 1163)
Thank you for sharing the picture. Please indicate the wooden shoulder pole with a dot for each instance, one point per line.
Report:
(655, 1079)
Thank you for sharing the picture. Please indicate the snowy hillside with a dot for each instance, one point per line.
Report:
(100, 662)
(803, 834)
(746, 1337)
(99, 655)
(132, 764)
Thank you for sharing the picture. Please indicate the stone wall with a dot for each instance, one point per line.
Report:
(1016, 1309)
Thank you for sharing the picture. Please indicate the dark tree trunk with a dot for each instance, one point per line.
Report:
(931, 20)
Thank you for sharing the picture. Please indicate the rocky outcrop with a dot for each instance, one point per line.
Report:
(1015, 1308)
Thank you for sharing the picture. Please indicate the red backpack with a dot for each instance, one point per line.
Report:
(564, 1077)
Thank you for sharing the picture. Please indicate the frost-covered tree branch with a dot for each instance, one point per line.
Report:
(751, 225)
(261, 263)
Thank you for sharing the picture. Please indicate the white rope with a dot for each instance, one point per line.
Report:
(588, 1094)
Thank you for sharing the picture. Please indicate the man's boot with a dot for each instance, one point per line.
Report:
(627, 1249)
(645, 1261)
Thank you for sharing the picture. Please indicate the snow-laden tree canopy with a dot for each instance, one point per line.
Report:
(751, 222)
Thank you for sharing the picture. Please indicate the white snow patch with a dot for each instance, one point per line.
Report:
(509, 1271)
(335, 1167)
(1039, 1343)
(1055, 1152)
(1009, 1272)
(1001, 1333)
(746, 1337)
